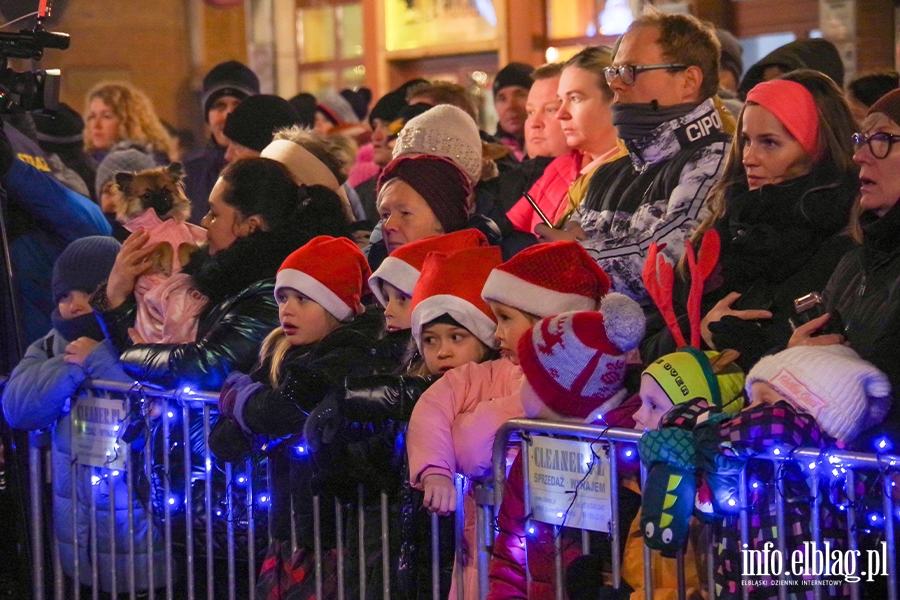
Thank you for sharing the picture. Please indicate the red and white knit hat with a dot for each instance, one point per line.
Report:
(450, 285)
(402, 268)
(330, 271)
(548, 279)
(575, 361)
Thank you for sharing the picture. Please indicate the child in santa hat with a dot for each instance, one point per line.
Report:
(562, 359)
(325, 335)
(453, 425)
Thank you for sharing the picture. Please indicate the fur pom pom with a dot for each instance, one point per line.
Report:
(624, 320)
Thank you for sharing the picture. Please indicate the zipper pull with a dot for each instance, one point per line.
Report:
(862, 288)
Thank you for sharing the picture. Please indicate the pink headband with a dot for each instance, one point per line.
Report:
(794, 107)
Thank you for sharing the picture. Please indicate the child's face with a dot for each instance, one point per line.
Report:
(446, 346)
(398, 312)
(512, 324)
(303, 320)
(74, 304)
(763, 393)
(654, 404)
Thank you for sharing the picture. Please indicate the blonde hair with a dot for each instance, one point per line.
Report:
(138, 120)
(274, 348)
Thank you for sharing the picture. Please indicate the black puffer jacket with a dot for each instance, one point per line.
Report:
(779, 242)
(865, 290)
(239, 283)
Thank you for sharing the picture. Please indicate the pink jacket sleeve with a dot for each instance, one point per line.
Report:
(429, 443)
(549, 192)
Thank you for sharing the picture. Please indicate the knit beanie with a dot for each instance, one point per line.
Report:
(688, 374)
(330, 271)
(446, 131)
(450, 285)
(575, 361)
(123, 157)
(359, 100)
(229, 78)
(844, 393)
(514, 74)
(305, 105)
(404, 266)
(888, 105)
(337, 109)
(439, 181)
(256, 119)
(731, 57)
(794, 107)
(548, 279)
(83, 265)
(61, 128)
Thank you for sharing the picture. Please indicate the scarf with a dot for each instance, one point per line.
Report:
(72, 329)
(771, 232)
(881, 234)
(638, 121)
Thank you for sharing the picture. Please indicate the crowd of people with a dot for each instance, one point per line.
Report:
(387, 286)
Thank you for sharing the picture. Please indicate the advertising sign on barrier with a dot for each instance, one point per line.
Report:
(95, 432)
(569, 484)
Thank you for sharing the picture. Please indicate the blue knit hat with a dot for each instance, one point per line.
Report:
(84, 264)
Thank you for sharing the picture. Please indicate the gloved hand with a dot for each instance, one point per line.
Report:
(6, 152)
(234, 383)
(325, 421)
(747, 337)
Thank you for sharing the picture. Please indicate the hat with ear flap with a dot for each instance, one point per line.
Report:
(689, 373)
(332, 272)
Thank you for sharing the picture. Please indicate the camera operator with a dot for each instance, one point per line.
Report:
(42, 217)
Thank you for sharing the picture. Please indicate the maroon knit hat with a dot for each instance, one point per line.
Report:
(889, 105)
(439, 181)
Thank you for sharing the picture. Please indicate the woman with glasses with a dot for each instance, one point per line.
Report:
(864, 287)
(780, 210)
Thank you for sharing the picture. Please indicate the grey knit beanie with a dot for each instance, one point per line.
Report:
(124, 156)
(84, 264)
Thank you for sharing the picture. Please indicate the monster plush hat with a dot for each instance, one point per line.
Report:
(702, 386)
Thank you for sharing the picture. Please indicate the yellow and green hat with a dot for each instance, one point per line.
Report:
(687, 374)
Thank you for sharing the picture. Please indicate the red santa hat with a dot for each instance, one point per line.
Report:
(575, 361)
(548, 279)
(450, 284)
(402, 268)
(330, 271)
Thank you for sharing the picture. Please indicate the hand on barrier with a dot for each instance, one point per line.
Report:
(77, 351)
(440, 494)
(324, 422)
(234, 383)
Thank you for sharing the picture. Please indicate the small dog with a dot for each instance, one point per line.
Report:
(161, 189)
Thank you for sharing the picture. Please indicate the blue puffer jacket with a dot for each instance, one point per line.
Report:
(44, 216)
(37, 396)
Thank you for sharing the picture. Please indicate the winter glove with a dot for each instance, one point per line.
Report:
(325, 421)
(668, 493)
(238, 387)
(747, 337)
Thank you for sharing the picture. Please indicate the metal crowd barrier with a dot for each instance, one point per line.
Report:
(191, 575)
(818, 463)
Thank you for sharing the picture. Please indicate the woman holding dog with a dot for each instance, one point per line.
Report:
(257, 216)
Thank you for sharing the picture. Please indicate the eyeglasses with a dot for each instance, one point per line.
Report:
(627, 73)
(879, 143)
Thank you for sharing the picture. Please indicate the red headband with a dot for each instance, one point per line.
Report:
(794, 107)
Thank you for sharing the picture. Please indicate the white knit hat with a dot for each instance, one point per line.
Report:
(844, 393)
(446, 131)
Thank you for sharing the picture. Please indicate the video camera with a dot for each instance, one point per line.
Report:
(30, 90)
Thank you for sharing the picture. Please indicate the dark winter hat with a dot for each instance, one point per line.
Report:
(360, 100)
(816, 54)
(256, 119)
(65, 127)
(732, 54)
(305, 105)
(84, 264)
(515, 73)
(439, 181)
(889, 105)
(124, 156)
(230, 78)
